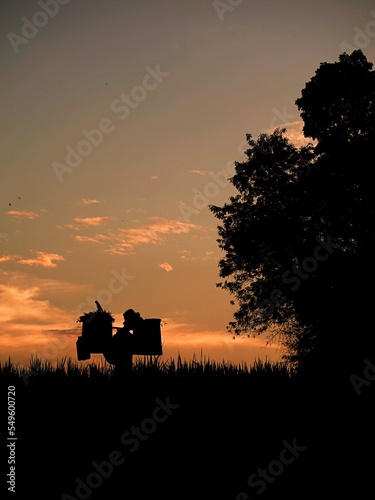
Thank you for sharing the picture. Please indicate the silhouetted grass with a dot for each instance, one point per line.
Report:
(232, 417)
(70, 370)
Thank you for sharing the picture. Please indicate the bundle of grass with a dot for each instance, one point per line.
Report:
(100, 316)
(96, 332)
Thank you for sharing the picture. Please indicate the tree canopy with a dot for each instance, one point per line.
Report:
(299, 236)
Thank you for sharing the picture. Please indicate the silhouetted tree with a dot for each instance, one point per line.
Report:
(300, 234)
(338, 104)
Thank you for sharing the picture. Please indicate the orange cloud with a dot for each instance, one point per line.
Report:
(98, 238)
(42, 259)
(14, 300)
(7, 258)
(199, 172)
(187, 255)
(93, 221)
(70, 226)
(22, 214)
(294, 133)
(167, 267)
(154, 234)
(87, 201)
(31, 326)
(126, 239)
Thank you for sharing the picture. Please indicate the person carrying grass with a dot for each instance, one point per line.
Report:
(120, 350)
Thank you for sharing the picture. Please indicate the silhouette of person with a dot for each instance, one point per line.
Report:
(120, 352)
(133, 321)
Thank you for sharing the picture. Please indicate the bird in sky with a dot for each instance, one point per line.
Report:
(10, 204)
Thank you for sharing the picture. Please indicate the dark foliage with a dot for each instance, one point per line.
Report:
(299, 236)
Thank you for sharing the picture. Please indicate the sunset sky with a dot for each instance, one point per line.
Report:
(120, 122)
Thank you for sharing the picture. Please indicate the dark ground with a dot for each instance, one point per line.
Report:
(223, 431)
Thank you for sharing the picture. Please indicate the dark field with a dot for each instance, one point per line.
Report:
(187, 430)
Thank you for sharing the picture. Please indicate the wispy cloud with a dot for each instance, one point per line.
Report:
(154, 177)
(25, 300)
(8, 258)
(98, 238)
(155, 234)
(73, 227)
(199, 172)
(42, 259)
(294, 133)
(87, 201)
(166, 266)
(188, 255)
(80, 223)
(27, 323)
(135, 210)
(124, 240)
(47, 287)
(22, 214)
(93, 221)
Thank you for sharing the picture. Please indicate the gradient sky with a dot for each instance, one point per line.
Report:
(174, 87)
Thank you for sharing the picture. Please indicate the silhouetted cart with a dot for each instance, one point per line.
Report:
(148, 341)
(97, 335)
